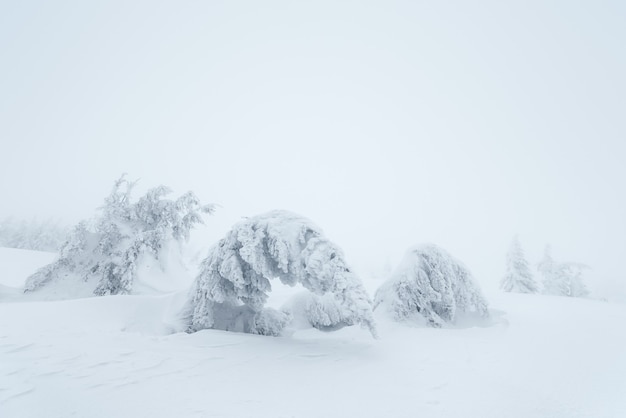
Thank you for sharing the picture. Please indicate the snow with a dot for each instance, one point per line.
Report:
(16, 265)
(541, 356)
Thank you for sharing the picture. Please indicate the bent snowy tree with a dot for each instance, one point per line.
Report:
(233, 284)
(101, 255)
(431, 286)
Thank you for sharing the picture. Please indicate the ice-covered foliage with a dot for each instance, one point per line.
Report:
(34, 235)
(307, 310)
(234, 281)
(105, 251)
(430, 285)
(518, 277)
(562, 279)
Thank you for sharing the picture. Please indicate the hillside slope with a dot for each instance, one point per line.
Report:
(116, 356)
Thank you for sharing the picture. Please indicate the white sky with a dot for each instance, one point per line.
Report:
(387, 123)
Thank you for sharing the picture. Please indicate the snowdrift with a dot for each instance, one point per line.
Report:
(543, 357)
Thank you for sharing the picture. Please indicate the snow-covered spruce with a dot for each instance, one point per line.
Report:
(518, 277)
(562, 279)
(233, 284)
(430, 285)
(104, 252)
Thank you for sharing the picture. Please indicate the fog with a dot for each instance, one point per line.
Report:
(387, 123)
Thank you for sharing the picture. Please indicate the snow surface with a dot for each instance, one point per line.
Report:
(115, 356)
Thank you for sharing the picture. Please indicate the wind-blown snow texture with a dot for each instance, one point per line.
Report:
(543, 357)
(431, 285)
(102, 256)
(232, 288)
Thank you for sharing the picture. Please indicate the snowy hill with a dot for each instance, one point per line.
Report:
(116, 357)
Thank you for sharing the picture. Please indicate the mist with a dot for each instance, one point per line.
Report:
(386, 123)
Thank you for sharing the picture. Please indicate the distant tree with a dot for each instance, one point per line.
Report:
(547, 268)
(518, 277)
(562, 279)
(430, 285)
(36, 235)
(572, 277)
(234, 280)
(105, 251)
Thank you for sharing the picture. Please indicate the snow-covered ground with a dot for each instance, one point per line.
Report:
(116, 357)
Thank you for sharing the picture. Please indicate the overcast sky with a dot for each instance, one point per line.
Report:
(387, 123)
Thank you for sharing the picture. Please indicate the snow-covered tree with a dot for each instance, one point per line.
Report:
(430, 285)
(234, 281)
(105, 251)
(34, 235)
(562, 279)
(571, 277)
(547, 269)
(518, 277)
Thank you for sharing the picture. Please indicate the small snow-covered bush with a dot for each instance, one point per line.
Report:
(430, 285)
(518, 277)
(233, 284)
(104, 252)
